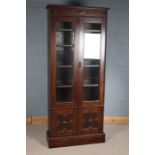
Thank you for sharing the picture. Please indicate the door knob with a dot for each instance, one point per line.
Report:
(79, 64)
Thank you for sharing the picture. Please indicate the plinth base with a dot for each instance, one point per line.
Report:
(75, 140)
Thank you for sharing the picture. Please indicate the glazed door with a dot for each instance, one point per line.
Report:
(92, 61)
(64, 61)
(92, 43)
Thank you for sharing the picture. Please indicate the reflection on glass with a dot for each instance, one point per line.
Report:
(64, 95)
(92, 41)
(92, 45)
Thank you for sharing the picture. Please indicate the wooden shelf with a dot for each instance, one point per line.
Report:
(65, 30)
(62, 45)
(91, 66)
(93, 31)
(64, 86)
(90, 85)
(90, 101)
(64, 66)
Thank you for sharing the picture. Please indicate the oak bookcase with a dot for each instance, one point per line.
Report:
(77, 41)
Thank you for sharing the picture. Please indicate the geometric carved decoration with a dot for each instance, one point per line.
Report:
(64, 123)
(90, 120)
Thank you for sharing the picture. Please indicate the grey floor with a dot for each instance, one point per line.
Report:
(117, 143)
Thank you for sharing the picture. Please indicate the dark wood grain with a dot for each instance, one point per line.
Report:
(74, 140)
(79, 121)
(63, 10)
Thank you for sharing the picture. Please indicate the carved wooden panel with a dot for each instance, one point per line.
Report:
(90, 120)
(64, 121)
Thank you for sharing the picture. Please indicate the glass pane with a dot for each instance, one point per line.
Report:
(64, 56)
(91, 93)
(92, 38)
(65, 38)
(64, 95)
(64, 76)
(88, 61)
(64, 25)
(92, 45)
(92, 26)
(91, 75)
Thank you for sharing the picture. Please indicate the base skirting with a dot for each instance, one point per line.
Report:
(75, 140)
(107, 120)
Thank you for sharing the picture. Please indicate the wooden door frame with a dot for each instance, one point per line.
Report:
(102, 61)
(53, 70)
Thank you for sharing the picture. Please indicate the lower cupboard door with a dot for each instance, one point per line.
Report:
(90, 120)
(63, 122)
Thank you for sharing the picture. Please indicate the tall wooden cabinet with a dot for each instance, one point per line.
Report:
(77, 38)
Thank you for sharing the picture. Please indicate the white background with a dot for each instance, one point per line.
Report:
(12, 77)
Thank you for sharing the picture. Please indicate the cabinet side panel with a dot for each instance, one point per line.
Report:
(104, 63)
(49, 66)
